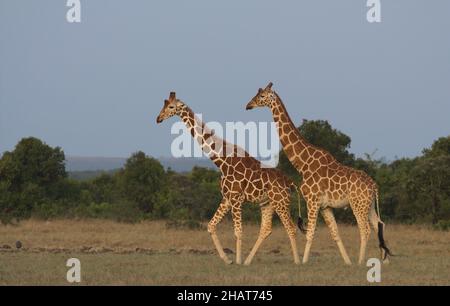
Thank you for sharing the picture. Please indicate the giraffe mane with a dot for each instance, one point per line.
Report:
(298, 132)
(218, 140)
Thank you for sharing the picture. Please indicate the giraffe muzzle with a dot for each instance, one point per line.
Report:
(249, 106)
(158, 120)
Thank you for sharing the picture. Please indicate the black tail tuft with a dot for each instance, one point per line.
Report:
(382, 242)
(300, 225)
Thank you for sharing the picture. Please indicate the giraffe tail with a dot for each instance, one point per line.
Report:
(380, 230)
(300, 222)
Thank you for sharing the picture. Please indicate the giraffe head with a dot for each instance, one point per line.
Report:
(264, 97)
(171, 107)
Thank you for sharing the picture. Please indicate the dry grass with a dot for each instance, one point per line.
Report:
(148, 253)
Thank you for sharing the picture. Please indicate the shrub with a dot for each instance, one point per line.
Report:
(442, 225)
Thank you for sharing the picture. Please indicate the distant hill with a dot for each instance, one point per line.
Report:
(185, 164)
(82, 163)
(94, 164)
(89, 174)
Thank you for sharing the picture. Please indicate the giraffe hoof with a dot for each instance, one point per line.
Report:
(247, 263)
(228, 261)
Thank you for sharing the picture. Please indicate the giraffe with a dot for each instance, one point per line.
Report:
(326, 183)
(242, 180)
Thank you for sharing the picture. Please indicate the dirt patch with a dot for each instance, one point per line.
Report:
(103, 250)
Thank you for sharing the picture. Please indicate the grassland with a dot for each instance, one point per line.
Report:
(149, 253)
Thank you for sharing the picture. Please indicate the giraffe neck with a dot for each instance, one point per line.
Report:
(296, 147)
(203, 135)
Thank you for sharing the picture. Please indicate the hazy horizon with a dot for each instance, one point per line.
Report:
(95, 88)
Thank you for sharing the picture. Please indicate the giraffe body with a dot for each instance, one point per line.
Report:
(243, 179)
(326, 183)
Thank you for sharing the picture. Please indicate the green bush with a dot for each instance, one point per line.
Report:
(34, 183)
(122, 211)
(442, 225)
(125, 211)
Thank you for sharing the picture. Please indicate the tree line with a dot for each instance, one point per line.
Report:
(35, 183)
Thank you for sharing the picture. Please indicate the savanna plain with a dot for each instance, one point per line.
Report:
(151, 253)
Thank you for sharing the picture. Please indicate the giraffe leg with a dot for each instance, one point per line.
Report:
(264, 232)
(236, 212)
(313, 211)
(362, 218)
(328, 216)
(219, 214)
(364, 232)
(283, 213)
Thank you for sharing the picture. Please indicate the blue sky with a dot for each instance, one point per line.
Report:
(95, 88)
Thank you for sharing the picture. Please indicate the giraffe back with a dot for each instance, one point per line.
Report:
(257, 184)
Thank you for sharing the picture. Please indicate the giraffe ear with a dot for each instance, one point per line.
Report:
(259, 90)
(166, 102)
